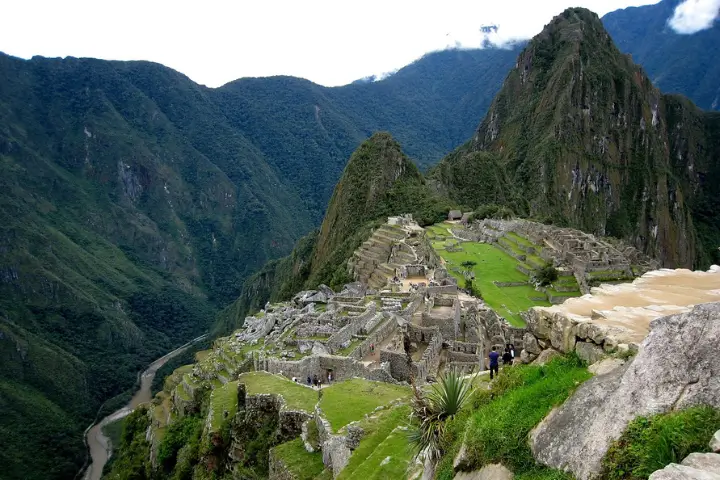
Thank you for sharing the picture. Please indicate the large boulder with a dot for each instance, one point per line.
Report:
(545, 356)
(530, 343)
(678, 366)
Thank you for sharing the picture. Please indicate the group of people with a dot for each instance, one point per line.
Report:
(314, 381)
(507, 357)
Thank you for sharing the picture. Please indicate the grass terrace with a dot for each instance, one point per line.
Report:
(223, 399)
(298, 461)
(296, 396)
(496, 422)
(382, 440)
(494, 265)
(351, 400)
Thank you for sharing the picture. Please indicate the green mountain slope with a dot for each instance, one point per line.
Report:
(378, 181)
(579, 135)
(685, 64)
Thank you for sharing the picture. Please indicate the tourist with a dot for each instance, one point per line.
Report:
(494, 356)
(315, 380)
(309, 381)
(329, 377)
(512, 351)
(372, 347)
(507, 357)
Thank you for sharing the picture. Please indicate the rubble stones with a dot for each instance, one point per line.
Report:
(589, 352)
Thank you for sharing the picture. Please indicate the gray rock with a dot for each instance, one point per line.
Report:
(576, 436)
(326, 290)
(681, 472)
(493, 471)
(320, 349)
(545, 356)
(610, 344)
(589, 352)
(527, 357)
(462, 459)
(353, 437)
(715, 442)
(319, 297)
(530, 343)
(562, 335)
(703, 461)
(605, 366)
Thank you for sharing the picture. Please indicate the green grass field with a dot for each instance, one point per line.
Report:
(342, 402)
(296, 396)
(494, 265)
(301, 463)
(221, 400)
(378, 443)
(347, 401)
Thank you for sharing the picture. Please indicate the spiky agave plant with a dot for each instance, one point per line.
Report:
(432, 410)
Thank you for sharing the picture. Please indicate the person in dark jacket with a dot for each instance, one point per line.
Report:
(494, 366)
(507, 357)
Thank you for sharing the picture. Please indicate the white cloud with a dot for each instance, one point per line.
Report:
(691, 16)
(327, 41)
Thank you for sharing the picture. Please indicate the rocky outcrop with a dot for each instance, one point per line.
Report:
(677, 366)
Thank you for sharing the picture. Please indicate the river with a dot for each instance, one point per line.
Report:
(99, 445)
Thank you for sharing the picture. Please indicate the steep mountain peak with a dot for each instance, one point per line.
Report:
(579, 136)
(374, 169)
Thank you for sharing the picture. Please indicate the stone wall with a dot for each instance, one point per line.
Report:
(384, 331)
(554, 330)
(344, 336)
(397, 362)
(342, 368)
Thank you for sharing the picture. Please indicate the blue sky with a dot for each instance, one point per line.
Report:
(330, 42)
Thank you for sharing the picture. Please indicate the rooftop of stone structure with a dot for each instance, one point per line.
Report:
(633, 306)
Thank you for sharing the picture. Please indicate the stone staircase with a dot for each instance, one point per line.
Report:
(371, 263)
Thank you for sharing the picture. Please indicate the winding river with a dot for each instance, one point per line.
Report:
(99, 445)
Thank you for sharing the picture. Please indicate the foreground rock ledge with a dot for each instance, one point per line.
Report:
(678, 366)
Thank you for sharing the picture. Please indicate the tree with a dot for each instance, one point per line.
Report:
(468, 266)
(546, 274)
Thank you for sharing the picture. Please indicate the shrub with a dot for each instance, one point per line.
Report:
(651, 443)
(546, 275)
(493, 211)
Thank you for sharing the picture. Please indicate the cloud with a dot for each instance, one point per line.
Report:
(691, 16)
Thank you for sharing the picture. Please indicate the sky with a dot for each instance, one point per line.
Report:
(331, 42)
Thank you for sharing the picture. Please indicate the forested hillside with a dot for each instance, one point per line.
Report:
(135, 202)
(675, 63)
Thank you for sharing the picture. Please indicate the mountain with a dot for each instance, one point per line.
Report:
(579, 136)
(675, 63)
(135, 202)
(378, 181)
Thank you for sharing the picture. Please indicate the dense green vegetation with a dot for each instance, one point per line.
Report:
(539, 152)
(496, 425)
(651, 443)
(378, 181)
(676, 63)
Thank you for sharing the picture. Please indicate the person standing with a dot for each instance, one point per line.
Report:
(512, 351)
(507, 357)
(494, 366)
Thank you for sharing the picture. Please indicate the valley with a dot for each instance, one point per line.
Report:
(553, 195)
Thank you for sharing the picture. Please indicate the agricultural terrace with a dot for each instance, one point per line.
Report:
(341, 402)
(498, 263)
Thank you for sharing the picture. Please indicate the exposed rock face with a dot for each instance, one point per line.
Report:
(545, 356)
(589, 352)
(677, 367)
(488, 472)
(715, 442)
